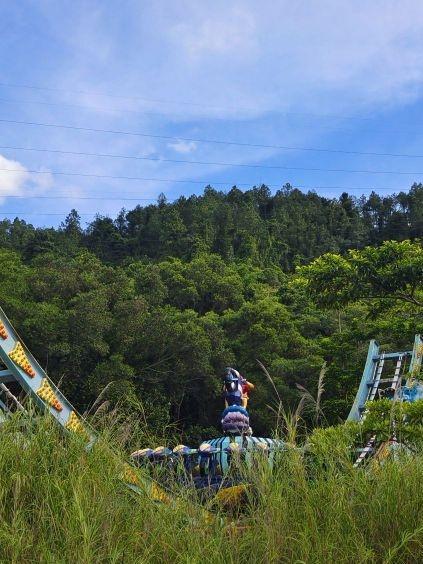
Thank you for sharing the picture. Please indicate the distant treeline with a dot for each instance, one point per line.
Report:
(286, 229)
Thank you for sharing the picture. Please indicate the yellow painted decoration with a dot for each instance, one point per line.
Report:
(384, 451)
(19, 357)
(130, 476)
(45, 391)
(74, 424)
(3, 332)
(232, 496)
(157, 494)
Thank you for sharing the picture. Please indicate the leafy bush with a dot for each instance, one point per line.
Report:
(386, 418)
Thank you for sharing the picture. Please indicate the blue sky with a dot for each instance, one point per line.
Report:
(337, 75)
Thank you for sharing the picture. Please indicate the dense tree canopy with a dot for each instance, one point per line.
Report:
(150, 307)
(286, 229)
(393, 271)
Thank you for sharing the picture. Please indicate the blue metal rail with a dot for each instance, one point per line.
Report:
(23, 368)
(372, 376)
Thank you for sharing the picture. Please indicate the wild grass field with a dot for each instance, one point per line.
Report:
(62, 504)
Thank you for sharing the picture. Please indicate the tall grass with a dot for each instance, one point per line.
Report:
(59, 503)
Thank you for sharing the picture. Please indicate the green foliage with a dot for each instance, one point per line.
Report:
(13, 281)
(386, 418)
(288, 229)
(59, 503)
(393, 271)
(138, 316)
(153, 305)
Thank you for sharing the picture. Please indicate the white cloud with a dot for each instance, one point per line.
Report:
(13, 177)
(219, 32)
(246, 58)
(183, 147)
(319, 54)
(16, 180)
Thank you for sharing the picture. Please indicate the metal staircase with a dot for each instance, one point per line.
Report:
(385, 376)
(374, 385)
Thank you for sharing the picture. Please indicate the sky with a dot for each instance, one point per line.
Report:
(101, 101)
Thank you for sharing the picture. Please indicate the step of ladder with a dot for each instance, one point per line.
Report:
(366, 451)
(376, 380)
(382, 381)
(392, 356)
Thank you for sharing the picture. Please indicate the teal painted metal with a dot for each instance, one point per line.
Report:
(249, 445)
(413, 390)
(6, 376)
(366, 379)
(391, 356)
(31, 385)
(373, 370)
(374, 385)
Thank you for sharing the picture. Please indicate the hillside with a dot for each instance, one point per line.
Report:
(138, 340)
(148, 309)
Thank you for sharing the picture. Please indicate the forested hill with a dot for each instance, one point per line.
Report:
(148, 309)
(286, 229)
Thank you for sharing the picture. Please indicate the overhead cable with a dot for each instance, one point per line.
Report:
(209, 163)
(209, 141)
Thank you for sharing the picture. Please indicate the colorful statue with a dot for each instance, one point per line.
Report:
(236, 388)
(232, 388)
(235, 418)
(247, 387)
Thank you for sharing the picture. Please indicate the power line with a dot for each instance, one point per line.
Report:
(209, 141)
(169, 113)
(91, 108)
(97, 213)
(118, 96)
(210, 163)
(43, 213)
(106, 197)
(71, 197)
(173, 102)
(114, 177)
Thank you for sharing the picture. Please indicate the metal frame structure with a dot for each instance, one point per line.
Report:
(374, 386)
(22, 368)
(372, 379)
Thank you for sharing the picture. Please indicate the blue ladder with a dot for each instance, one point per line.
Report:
(373, 385)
